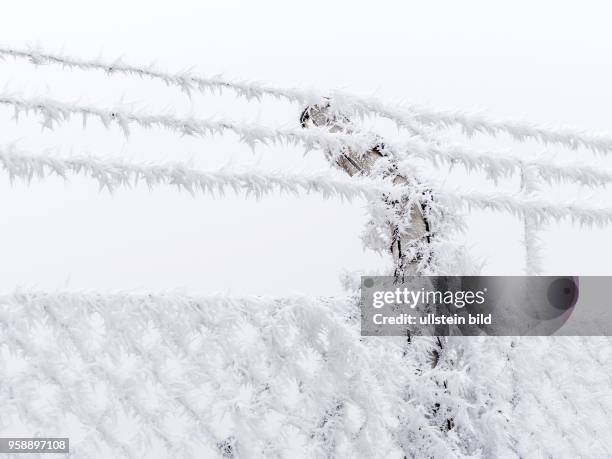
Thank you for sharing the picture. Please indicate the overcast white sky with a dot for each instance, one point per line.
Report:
(544, 61)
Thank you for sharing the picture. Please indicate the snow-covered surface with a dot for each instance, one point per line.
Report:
(169, 375)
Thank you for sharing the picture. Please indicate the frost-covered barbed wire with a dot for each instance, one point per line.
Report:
(479, 124)
(495, 166)
(55, 112)
(539, 211)
(405, 116)
(189, 83)
(111, 174)
(185, 81)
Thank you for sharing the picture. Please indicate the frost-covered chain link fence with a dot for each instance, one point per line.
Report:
(178, 376)
(199, 376)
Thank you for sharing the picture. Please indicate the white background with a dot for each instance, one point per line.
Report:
(545, 61)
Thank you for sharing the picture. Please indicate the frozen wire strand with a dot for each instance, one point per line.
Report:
(112, 174)
(495, 166)
(184, 81)
(55, 112)
(537, 210)
(189, 83)
(342, 102)
(477, 124)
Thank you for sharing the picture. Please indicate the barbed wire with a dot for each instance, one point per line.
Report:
(495, 165)
(409, 117)
(112, 174)
(55, 112)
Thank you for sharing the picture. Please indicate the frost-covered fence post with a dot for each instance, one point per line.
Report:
(529, 186)
(407, 217)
